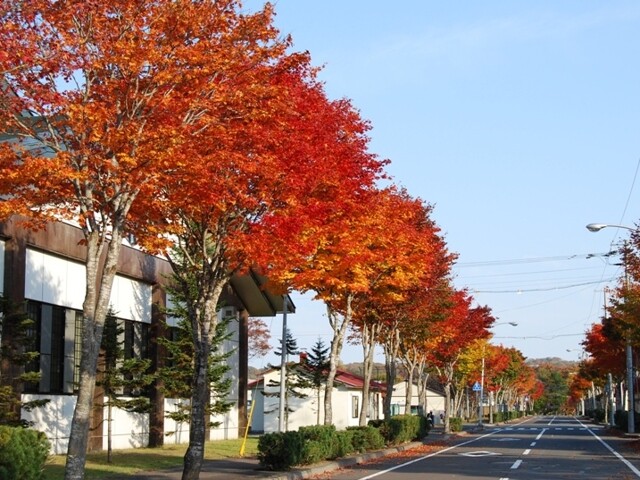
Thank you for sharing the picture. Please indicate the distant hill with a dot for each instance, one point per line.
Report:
(553, 361)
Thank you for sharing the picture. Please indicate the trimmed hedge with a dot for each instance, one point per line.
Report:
(313, 444)
(280, 450)
(621, 420)
(366, 438)
(404, 428)
(23, 453)
(455, 424)
(320, 443)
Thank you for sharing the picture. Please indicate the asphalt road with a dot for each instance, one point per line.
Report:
(541, 448)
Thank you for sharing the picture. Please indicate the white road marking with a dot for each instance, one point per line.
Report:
(481, 453)
(533, 444)
(415, 460)
(516, 465)
(527, 451)
(608, 447)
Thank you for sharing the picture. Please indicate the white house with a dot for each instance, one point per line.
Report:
(435, 401)
(346, 403)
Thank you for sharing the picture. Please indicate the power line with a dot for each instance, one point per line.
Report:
(541, 337)
(548, 289)
(519, 261)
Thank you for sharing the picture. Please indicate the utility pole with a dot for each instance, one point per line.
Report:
(481, 396)
(283, 368)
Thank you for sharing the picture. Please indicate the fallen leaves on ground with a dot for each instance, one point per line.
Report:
(408, 454)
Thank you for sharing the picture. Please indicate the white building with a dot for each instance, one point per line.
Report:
(346, 403)
(44, 270)
(435, 401)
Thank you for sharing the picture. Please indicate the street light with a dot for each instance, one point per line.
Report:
(481, 400)
(596, 227)
(631, 427)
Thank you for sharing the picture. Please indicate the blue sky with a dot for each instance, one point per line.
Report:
(519, 121)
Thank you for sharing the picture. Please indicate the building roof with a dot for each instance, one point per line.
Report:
(348, 379)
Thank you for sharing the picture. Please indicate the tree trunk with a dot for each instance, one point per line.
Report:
(339, 327)
(447, 406)
(369, 333)
(423, 381)
(109, 431)
(203, 322)
(195, 452)
(390, 355)
(410, 362)
(95, 309)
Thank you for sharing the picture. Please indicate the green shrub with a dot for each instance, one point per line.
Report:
(599, 415)
(319, 443)
(281, 450)
(403, 428)
(455, 424)
(621, 420)
(23, 453)
(343, 444)
(366, 438)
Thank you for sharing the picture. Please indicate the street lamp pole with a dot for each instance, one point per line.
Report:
(282, 405)
(631, 426)
(481, 400)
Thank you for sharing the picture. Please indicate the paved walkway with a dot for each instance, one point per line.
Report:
(242, 468)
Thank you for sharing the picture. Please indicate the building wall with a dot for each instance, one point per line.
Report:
(128, 429)
(256, 419)
(54, 419)
(435, 401)
(346, 404)
(46, 269)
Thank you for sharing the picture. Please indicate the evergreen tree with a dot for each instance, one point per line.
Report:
(119, 376)
(20, 356)
(177, 376)
(318, 365)
(296, 378)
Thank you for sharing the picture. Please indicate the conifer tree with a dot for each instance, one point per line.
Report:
(318, 365)
(119, 376)
(178, 376)
(296, 378)
(21, 357)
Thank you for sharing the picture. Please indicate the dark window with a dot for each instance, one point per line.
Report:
(47, 337)
(56, 372)
(355, 406)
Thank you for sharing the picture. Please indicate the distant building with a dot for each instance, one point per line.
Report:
(346, 402)
(435, 401)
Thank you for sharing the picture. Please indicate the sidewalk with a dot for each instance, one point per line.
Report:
(241, 468)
